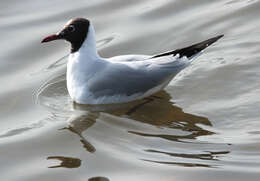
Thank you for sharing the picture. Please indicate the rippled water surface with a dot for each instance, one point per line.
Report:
(204, 126)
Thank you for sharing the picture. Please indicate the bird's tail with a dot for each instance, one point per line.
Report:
(191, 51)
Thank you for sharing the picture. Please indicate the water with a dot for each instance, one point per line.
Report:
(204, 126)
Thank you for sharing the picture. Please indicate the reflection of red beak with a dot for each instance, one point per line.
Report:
(50, 38)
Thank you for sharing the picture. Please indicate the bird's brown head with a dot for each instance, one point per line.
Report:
(75, 32)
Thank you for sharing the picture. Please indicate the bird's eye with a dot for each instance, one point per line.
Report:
(71, 28)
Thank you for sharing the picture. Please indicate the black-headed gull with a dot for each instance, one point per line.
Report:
(92, 79)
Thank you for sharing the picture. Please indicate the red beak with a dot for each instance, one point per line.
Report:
(50, 38)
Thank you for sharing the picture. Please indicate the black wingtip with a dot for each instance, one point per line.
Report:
(210, 41)
(219, 36)
(193, 49)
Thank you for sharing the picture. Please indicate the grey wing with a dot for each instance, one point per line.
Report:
(125, 80)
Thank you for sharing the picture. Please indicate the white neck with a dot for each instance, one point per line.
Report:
(82, 66)
(89, 45)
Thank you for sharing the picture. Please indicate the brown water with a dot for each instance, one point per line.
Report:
(204, 126)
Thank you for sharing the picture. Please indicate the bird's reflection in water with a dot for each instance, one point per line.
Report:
(213, 156)
(66, 162)
(209, 155)
(98, 179)
(158, 111)
(79, 123)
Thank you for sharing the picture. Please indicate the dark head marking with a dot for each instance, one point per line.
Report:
(75, 32)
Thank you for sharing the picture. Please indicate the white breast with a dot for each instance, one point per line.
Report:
(80, 70)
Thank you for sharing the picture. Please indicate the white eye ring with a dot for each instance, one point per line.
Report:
(71, 28)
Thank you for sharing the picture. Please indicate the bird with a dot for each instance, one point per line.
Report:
(92, 79)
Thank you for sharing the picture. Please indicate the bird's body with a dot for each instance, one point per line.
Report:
(95, 80)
